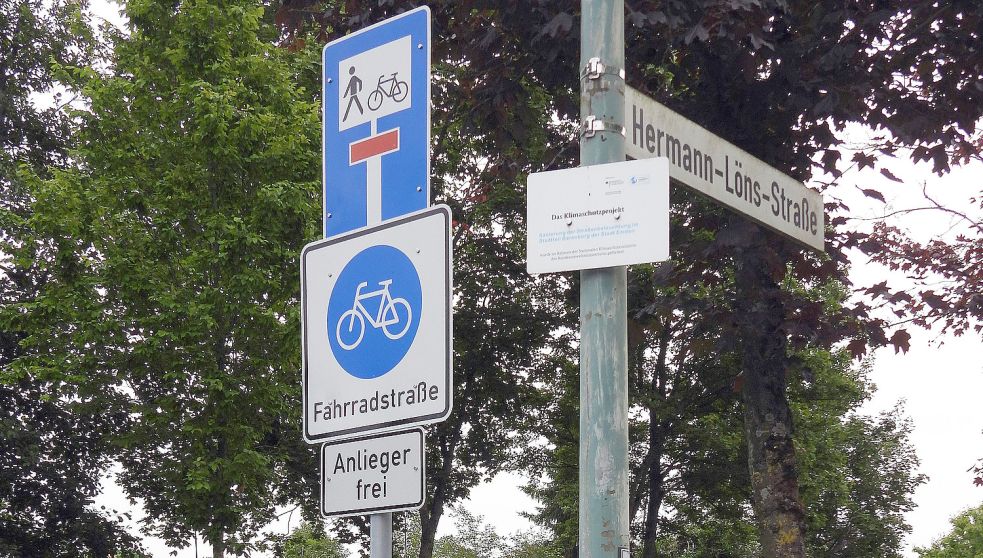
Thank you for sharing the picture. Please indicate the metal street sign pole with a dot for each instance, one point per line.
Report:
(603, 299)
(380, 524)
(381, 535)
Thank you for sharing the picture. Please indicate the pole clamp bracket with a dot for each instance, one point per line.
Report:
(594, 69)
(592, 124)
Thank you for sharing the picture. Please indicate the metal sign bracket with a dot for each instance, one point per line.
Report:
(595, 68)
(592, 124)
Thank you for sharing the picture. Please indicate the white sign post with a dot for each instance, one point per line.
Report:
(598, 216)
(724, 172)
(376, 327)
(373, 474)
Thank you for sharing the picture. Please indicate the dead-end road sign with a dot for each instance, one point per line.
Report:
(376, 104)
(724, 172)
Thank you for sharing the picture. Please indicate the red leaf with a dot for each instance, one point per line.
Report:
(900, 296)
(901, 341)
(857, 348)
(830, 157)
(870, 246)
(877, 290)
(890, 175)
(934, 301)
(864, 159)
(873, 193)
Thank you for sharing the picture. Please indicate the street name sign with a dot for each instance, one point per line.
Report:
(376, 327)
(373, 474)
(598, 216)
(724, 172)
(376, 104)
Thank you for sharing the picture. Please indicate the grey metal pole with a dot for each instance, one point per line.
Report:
(603, 299)
(381, 535)
(380, 524)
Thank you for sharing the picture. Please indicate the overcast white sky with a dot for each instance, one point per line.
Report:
(939, 380)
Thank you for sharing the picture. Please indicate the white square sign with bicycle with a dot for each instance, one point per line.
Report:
(376, 327)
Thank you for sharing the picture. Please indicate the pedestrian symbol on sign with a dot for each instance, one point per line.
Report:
(374, 311)
(354, 86)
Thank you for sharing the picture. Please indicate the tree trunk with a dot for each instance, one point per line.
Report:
(429, 518)
(218, 548)
(432, 510)
(767, 417)
(656, 492)
(638, 390)
(656, 481)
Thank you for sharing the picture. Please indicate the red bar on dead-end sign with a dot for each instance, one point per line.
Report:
(380, 144)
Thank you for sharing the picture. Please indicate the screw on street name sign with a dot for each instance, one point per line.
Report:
(373, 474)
(719, 169)
(377, 122)
(376, 327)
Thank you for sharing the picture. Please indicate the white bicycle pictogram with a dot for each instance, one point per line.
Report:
(389, 315)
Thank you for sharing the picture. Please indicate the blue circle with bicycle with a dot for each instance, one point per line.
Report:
(374, 311)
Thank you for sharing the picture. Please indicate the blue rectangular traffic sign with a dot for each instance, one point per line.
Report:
(376, 108)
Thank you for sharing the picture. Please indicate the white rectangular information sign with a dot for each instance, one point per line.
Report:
(379, 473)
(719, 169)
(598, 216)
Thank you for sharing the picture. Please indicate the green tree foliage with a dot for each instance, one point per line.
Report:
(169, 255)
(690, 493)
(858, 472)
(475, 539)
(964, 541)
(33, 35)
(54, 437)
(306, 542)
(175, 243)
